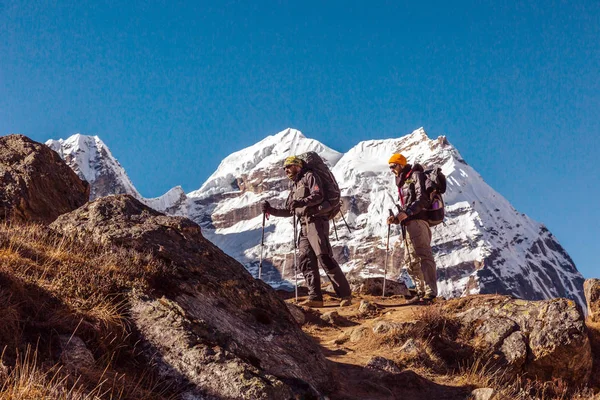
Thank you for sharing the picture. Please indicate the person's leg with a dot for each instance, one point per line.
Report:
(413, 261)
(420, 235)
(308, 265)
(318, 236)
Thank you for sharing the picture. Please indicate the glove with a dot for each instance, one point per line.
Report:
(295, 204)
(401, 216)
(396, 219)
(265, 207)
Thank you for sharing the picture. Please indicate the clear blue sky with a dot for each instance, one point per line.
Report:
(173, 87)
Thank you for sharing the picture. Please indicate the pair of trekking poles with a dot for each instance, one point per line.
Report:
(262, 246)
(295, 240)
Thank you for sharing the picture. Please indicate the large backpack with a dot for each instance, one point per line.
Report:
(332, 203)
(435, 185)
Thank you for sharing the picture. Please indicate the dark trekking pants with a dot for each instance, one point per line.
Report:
(315, 250)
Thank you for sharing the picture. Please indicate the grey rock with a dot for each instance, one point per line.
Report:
(218, 315)
(514, 349)
(403, 327)
(366, 307)
(493, 331)
(558, 346)
(297, 313)
(333, 318)
(74, 354)
(383, 364)
(183, 356)
(411, 347)
(358, 334)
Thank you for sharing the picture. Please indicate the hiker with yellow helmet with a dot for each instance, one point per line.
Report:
(414, 201)
(306, 195)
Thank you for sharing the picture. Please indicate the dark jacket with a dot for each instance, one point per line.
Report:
(308, 191)
(412, 194)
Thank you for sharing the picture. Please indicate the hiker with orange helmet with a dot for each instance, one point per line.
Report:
(414, 201)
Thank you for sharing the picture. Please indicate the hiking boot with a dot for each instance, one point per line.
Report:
(413, 300)
(429, 297)
(311, 303)
(346, 301)
(412, 293)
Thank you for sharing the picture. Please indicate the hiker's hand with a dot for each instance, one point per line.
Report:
(392, 220)
(295, 204)
(265, 207)
(401, 216)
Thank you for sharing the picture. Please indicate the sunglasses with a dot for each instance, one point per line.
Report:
(393, 166)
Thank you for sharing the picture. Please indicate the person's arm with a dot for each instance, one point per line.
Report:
(278, 212)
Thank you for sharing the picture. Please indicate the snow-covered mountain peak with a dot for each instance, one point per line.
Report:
(93, 161)
(485, 245)
(259, 158)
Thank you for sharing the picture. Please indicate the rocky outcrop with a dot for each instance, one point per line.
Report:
(374, 287)
(37, 185)
(209, 325)
(591, 288)
(546, 339)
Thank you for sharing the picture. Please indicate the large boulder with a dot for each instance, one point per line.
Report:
(546, 339)
(591, 288)
(209, 325)
(37, 185)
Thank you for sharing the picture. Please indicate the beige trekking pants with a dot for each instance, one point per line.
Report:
(419, 257)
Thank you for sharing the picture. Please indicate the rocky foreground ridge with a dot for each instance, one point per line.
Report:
(116, 300)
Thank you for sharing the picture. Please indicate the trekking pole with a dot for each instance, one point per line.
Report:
(344, 219)
(335, 229)
(387, 252)
(406, 244)
(295, 261)
(262, 246)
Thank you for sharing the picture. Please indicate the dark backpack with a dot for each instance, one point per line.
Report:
(332, 202)
(435, 185)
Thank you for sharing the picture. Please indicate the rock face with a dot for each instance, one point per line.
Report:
(37, 185)
(547, 339)
(210, 327)
(591, 288)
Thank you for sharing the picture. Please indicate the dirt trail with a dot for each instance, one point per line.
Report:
(350, 358)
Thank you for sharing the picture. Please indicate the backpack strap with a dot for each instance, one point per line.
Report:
(408, 174)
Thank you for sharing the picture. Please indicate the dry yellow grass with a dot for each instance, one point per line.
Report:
(51, 285)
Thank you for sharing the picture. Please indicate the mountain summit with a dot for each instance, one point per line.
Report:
(93, 162)
(484, 246)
